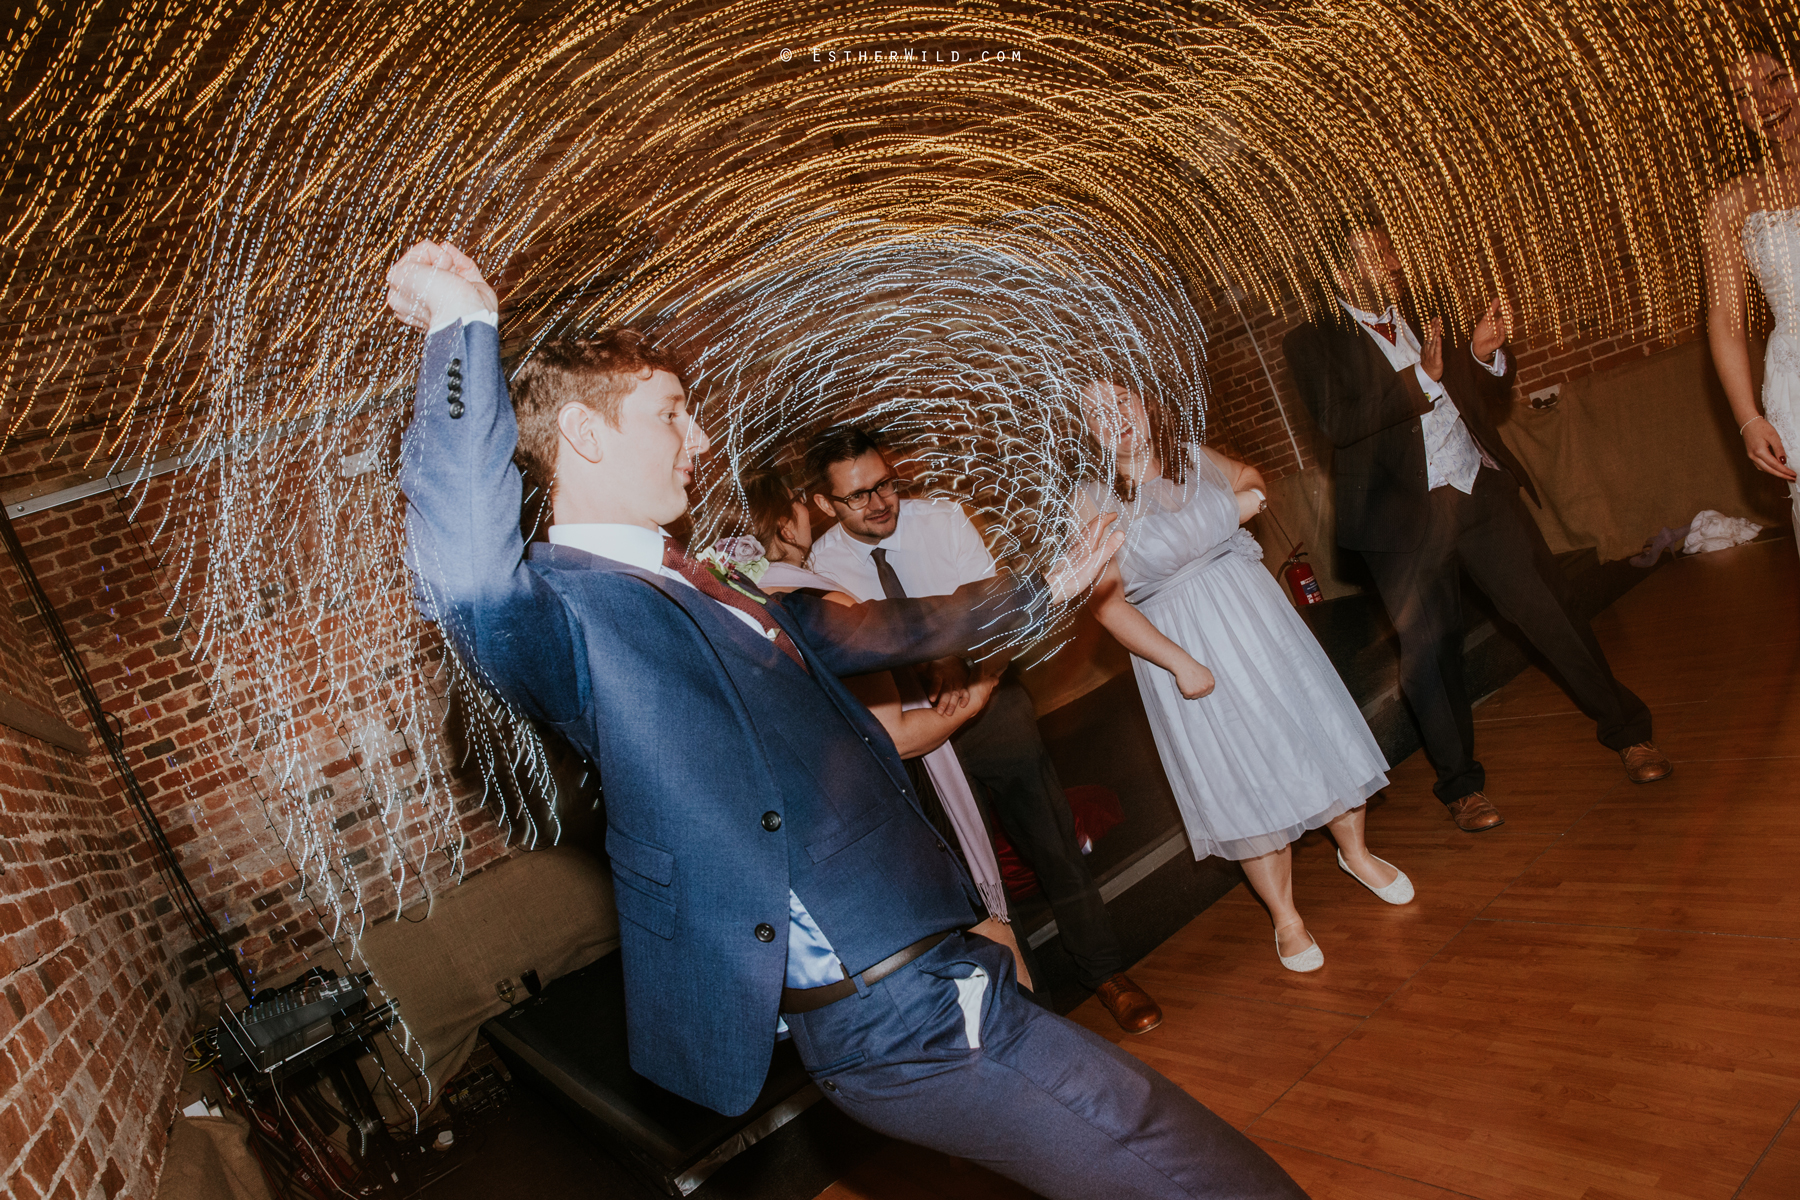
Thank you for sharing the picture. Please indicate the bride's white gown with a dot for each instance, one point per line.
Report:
(1772, 246)
(1279, 747)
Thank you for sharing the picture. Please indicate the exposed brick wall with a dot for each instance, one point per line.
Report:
(107, 565)
(91, 1016)
(93, 948)
(1248, 418)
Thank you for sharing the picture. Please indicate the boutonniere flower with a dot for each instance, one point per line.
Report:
(733, 558)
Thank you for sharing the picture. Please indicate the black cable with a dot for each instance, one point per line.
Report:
(199, 922)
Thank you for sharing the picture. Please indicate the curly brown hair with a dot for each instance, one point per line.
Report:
(595, 371)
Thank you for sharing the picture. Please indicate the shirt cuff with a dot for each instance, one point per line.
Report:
(1431, 387)
(486, 316)
(1498, 366)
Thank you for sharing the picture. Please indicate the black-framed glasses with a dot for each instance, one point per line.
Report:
(859, 499)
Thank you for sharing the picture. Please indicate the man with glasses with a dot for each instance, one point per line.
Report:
(885, 547)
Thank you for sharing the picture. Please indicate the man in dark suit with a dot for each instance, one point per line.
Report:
(1426, 489)
(770, 860)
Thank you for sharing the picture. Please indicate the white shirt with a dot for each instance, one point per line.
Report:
(810, 959)
(1451, 456)
(934, 550)
(486, 316)
(635, 546)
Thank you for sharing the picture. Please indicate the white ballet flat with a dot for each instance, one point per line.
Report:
(1398, 892)
(1309, 959)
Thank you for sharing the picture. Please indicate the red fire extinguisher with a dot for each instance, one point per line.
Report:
(1300, 579)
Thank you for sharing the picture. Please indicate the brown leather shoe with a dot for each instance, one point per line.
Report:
(1644, 763)
(1473, 813)
(1129, 1004)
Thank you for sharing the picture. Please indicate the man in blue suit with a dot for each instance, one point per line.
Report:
(770, 860)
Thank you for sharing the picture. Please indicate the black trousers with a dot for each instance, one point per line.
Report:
(1491, 536)
(1003, 751)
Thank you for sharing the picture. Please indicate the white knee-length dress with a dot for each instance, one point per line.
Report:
(1279, 747)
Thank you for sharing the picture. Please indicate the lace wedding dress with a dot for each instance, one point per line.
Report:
(1772, 246)
(1279, 747)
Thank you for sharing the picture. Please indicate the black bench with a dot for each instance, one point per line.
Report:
(569, 1042)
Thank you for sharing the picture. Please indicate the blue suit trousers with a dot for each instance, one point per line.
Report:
(1041, 1100)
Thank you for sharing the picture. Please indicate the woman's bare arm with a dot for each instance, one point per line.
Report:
(1727, 327)
(1243, 478)
(1133, 630)
(1138, 634)
(917, 731)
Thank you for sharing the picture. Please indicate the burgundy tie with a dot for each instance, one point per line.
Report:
(1385, 329)
(697, 573)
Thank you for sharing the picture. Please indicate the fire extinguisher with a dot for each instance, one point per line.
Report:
(1300, 579)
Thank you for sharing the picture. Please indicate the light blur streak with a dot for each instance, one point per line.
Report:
(202, 199)
(968, 346)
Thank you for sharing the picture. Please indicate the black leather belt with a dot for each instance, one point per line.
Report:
(800, 1000)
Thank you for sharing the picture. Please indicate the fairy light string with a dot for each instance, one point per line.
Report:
(832, 209)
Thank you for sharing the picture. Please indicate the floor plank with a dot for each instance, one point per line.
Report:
(1777, 1176)
(1710, 850)
(1322, 1175)
(1543, 1062)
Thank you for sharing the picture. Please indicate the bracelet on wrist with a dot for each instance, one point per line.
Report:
(1750, 422)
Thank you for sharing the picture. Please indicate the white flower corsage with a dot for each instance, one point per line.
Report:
(729, 558)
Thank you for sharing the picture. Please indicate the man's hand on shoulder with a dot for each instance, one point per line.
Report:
(434, 284)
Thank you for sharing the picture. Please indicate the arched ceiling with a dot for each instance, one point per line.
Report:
(947, 212)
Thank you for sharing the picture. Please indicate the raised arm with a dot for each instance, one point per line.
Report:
(1245, 482)
(1343, 412)
(883, 634)
(915, 731)
(1727, 331)
(463, 493)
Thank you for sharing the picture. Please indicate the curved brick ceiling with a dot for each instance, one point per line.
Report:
(201, 200)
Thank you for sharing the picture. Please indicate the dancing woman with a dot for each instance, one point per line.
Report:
(1267, 743)
(1754, 228)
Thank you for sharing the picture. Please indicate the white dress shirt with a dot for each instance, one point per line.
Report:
(1451, 456)
(486, 316)
(811, 962)
(934, 550)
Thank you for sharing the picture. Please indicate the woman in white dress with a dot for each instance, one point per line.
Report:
(1263, 743)
(1754, 227)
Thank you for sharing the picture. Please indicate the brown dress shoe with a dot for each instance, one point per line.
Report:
(1644, 763)
(1473, 813)
(1129, 1004)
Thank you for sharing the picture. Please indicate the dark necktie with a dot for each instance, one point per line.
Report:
(1385, 329)
(884, 571)
(696, 573)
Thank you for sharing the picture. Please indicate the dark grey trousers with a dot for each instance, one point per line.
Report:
(1030, 1095)
(1491, 536)
(1003, 750)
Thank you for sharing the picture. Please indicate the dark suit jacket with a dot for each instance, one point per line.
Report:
(730, 773)
(1371, 414)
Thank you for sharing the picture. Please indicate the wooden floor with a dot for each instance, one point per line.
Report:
(1600, 999)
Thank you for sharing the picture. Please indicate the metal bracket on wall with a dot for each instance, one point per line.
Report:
(34, 721)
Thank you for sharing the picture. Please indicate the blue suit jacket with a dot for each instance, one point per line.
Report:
(730, 774)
